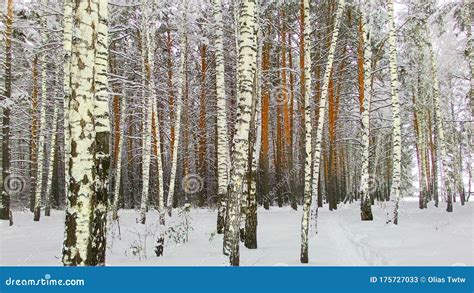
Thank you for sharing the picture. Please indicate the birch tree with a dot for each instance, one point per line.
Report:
(49, 177)
(366, 29)
(245, 78)
(222, 139)
(306, 22)
(179, 102)
(310, 204)
(67, 48)
(148, 97)
(396, 127)
(84, 242)
(42, 122)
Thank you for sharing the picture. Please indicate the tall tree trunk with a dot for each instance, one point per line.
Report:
(84, 242)
(254, 146)
(396, 128)
(366, 96)
(305, 46)
(310, 204)
(120, 138)
(7, 95)
(52, 155)
(42, 128)
(246, 81)
(67, 49)
(34, 131)
(222, 136)
(148, 47)
(440, 131)
(182, 86)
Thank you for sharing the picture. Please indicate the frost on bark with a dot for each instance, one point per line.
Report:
(306, 23)
(34, 131)
(310, 204)
(179, 102)
(466, 16)
(246, 71)
(251, 220)
(41, 131)
(222, 139)
(396, 128)
(149, 91)
(7, 94)
(67, 48)
(446, 190)
(365, 35)
(49, 180)
(102, 138)
(84, 242)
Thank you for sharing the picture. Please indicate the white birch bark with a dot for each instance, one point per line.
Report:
(251, 220)
(396, 127)
(366, 210)
(310, 205)
(161, 200)
(102, 139)
(50, 167)
(466, 17)
(41, 128)
(148, 106)
(67, 43)
(245, 79)
(446, 191)
(222, 136)
(181, 76)
(80, 204)
(308, 133)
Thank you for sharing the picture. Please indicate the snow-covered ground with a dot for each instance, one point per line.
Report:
(423, 237)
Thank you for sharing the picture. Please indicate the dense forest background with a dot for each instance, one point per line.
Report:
(234, 105)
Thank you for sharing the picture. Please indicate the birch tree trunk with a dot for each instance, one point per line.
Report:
(102, 139)
(34, 131)
(245, 79)
(251, 220)
(47, 204)
(179, 102)
(222, 136)
(148, 106)
(396, 128)
(310, 204)
(67, 48)
(446, 191)
(466, 13)
(366, 30)
(84, 242)
(41, 131)
(308, 129)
